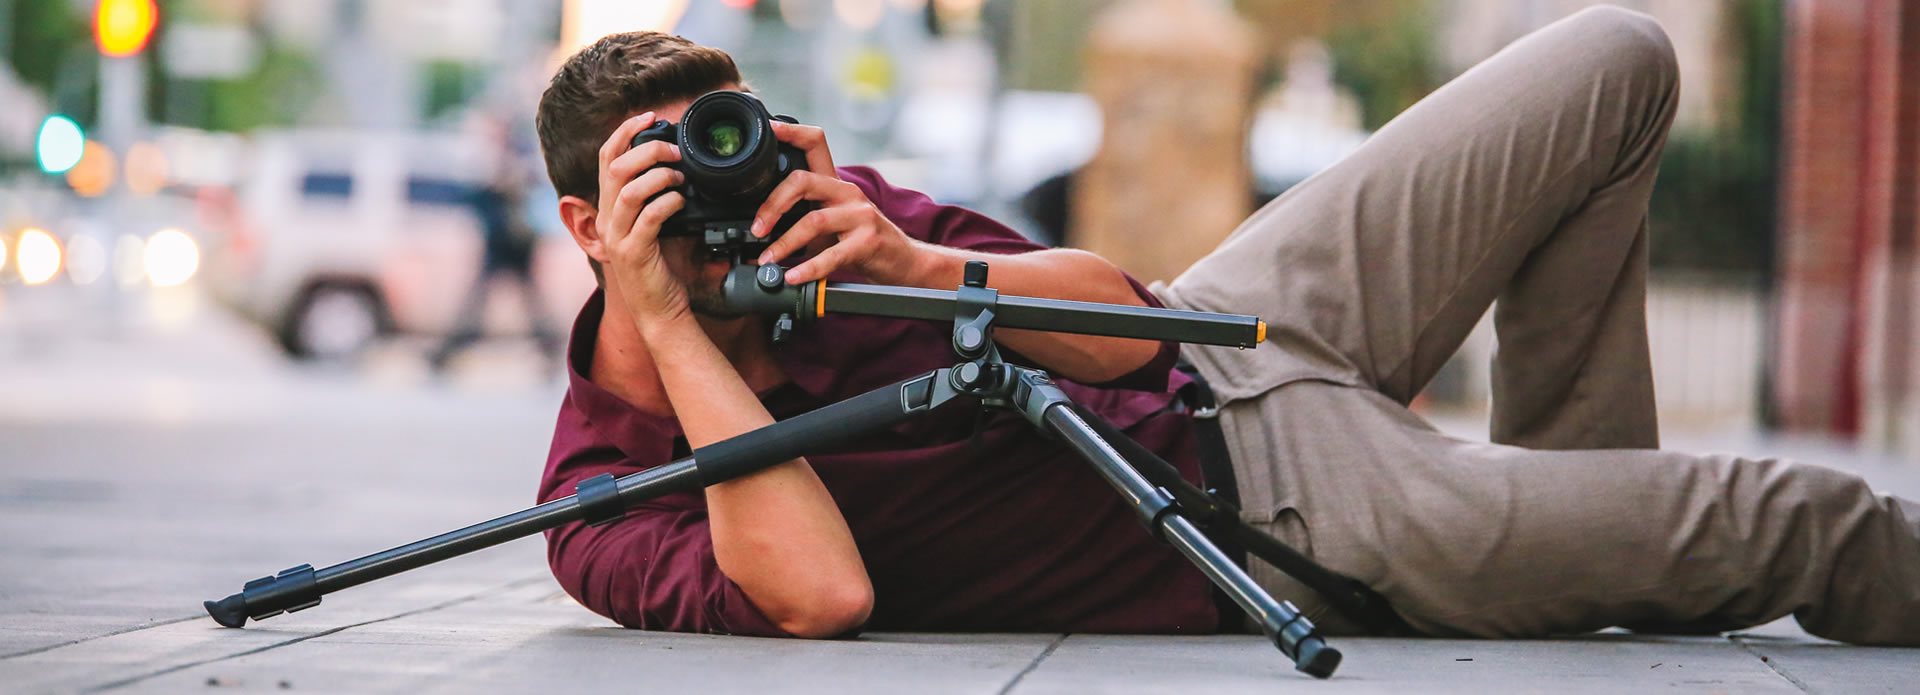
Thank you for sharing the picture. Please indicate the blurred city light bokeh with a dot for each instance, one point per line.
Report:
(277, 183)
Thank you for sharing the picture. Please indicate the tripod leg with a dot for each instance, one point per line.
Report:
(820, 430)
(301, 587)
(1283, 624)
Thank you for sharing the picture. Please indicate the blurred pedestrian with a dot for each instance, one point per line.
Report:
(507, 254)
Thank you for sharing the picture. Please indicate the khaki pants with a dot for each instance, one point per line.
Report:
(1525, 180)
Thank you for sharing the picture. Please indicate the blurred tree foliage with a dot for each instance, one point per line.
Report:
(282, 84)
(52, 49)
(1715, 206)
(450, 84)
(1384, 53)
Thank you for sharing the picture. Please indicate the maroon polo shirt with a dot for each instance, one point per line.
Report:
(965, 524)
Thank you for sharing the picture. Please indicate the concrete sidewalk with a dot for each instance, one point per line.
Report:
(455, 635)
(116, 522)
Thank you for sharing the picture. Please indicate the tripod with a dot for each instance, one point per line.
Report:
(981, 378)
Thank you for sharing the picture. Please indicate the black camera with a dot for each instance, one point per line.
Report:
(732, 162)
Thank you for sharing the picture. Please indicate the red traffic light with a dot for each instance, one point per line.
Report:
(122, 27)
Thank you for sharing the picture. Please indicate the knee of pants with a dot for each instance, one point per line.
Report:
(1805, 514)
(1834, 496)
(1630, 40)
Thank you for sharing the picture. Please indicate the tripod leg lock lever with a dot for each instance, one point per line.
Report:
(599, 500)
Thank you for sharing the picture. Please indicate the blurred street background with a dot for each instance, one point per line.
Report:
(243, 322)
(283, 186)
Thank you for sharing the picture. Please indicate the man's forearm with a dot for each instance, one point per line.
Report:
(1057, 274)
(777, 533)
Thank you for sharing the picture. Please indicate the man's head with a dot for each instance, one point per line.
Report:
(616, 78)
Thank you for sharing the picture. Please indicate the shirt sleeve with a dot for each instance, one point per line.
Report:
(957, 227)
(654, 569)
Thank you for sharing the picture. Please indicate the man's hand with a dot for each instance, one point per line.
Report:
(847, 231)
(632, 208)
(776, 533)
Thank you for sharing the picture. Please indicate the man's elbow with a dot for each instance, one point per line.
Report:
(831, 614)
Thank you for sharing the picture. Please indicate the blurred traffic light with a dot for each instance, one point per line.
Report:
(59, 145)
(122, 27)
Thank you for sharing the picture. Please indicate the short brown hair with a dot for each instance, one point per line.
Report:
(607, 82)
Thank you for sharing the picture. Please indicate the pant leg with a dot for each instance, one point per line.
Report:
(1372, 272)
(1573, 370)
(470, 324)
(1488, 540)
(539, 323)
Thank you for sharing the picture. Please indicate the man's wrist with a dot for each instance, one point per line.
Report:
(662, 332)
(927, 266)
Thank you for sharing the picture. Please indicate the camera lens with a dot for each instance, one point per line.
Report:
(725, 138)
(727, 148)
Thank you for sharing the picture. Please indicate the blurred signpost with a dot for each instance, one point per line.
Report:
(121, 29)
(1174, 81)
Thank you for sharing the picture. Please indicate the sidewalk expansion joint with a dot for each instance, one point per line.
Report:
(1044, 653)
(124, 682)
(131, 628)
(1770, 662)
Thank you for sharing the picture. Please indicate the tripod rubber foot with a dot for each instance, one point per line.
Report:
(230, 611)
(1316, 658)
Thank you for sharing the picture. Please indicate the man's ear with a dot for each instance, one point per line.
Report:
(579, 216)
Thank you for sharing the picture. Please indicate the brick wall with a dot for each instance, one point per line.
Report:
(1850, 205)
(1890, 408)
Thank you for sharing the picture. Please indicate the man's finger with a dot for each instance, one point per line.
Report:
(624, 209)
(813, 225)
(648, 155)
(646, 228)
(620, 140)
(809, 226)
(827, 261)
(779, 200)
(798, 186)
(810, 139)
(616, 145)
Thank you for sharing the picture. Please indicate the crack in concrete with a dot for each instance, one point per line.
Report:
(1770, 662)
(124, 682)
(90, 638)
(1044, 653)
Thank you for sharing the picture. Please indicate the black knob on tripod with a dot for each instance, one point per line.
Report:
(974, 274)
(970, 377)
(769, 277)
(969, 339)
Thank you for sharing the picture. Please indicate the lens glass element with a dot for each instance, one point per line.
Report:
(725, 138)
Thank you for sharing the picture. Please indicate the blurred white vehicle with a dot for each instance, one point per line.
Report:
(334, 240)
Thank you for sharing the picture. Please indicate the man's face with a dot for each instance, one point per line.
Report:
(686, 257)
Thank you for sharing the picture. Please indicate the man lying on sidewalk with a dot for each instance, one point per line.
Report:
(1525, 180)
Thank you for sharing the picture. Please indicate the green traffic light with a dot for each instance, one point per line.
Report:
(60, 144)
